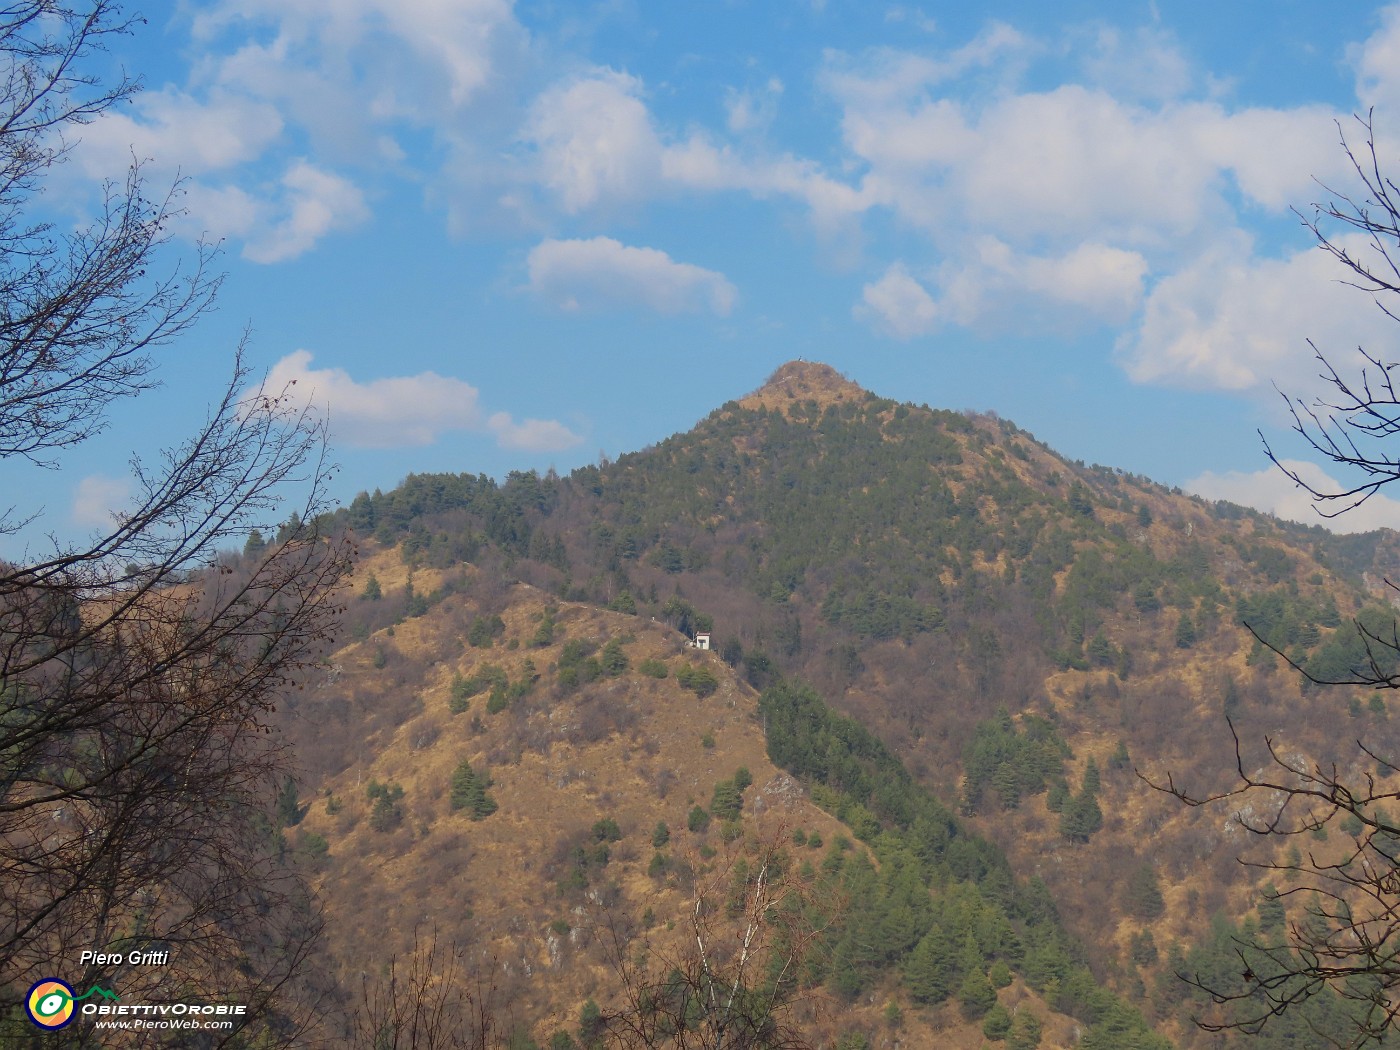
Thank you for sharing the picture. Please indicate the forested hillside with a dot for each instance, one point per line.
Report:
(1005, 639)
(552, 783)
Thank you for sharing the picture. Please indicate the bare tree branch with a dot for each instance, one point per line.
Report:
(139, 670)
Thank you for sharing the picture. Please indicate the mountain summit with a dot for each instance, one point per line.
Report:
(801, 381)
(996, 626)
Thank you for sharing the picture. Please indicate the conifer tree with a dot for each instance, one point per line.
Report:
(469, 792)
(997, 1023)
(1144, 895)
(289, 812)
(928, 971)
(1092, 779)
(976, 996)
(1025, 1031)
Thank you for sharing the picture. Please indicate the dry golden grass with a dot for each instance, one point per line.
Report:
(559, 763)
(800, 381)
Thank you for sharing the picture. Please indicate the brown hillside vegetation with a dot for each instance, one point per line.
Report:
(802, 381)
(935, 576)
(545, 921)
(1163, 702)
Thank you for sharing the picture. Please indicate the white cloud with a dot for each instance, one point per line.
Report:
(1276, 156)
(898, 304)
(752, 111)
(400, 411)
(176, 131)
(453, 40)
(911, 16)
(338, 83)
(97, 499)
(312, 204)
(602, 271)
(1104, 281)
(995, 287)
(1231, 320)
(1272, 491)
(699, 164)
(594, 141)
(280, 223)
(216, 212)
(999, 287)
(1072, 162)
(1085, 202)
(886, 76)
(532, 435)
(1377, 64)
(1142, 64)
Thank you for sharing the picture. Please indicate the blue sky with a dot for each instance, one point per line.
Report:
(496, 236)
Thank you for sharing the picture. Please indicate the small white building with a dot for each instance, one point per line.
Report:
(702, 640)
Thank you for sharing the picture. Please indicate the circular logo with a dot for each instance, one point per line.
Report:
(50, 1003)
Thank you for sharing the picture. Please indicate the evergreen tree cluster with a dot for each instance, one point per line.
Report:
(503, 693)
(1345, 654)
(1013, 763)
(289, 809)
(469, 792)
(1080, 815)
(1229, 962)
(698, 678)
(463, 689)
(727, 800)
(502, 510)
(874, 614)
(484, 630)
(384, 814)
(544, 633)
(942, 908)
(958, 525)
(577, 665)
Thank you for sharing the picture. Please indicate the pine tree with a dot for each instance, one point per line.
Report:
(727, 801)
(1185, 632)
(897, 931)
(928, 970)
(1080, 818)
(1272, 915)
(1025, 1031)
(614, 660)
(1092, 779)
(1143, 895)
(289, 811)
(469, 793)
(1007, 782)
(976, 996)
(997, 1023)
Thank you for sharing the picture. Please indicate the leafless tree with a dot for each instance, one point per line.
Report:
(1343, 936)
(1356, 425)
(139, 669)
(433, 999)
(735, 981)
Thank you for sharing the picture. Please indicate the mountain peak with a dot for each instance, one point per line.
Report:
(799, 381)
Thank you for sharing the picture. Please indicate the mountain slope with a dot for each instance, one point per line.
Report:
(958, 588)
(583, 845)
